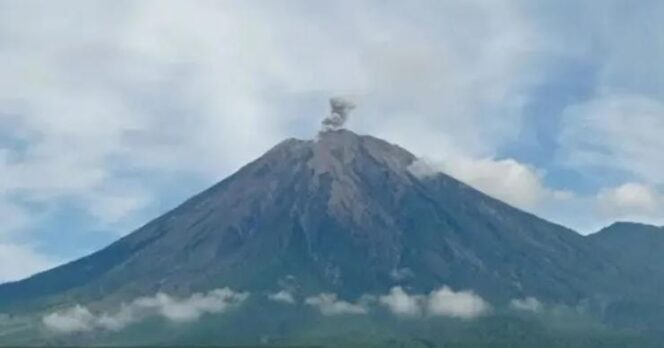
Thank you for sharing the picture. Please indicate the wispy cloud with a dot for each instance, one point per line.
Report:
(82, 319)
(528, 304)
(328, 304)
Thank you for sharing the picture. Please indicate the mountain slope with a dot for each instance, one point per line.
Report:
(639, 244)
(640, 248)
(342, 213)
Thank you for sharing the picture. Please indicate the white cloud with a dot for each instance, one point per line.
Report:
(18, 261)
(462, 305)
(329, 305)
(127, 315)
(508, 180)
(443, 302)
(76, 319)
(192, 308)
(631, 200)
(402, 304)
(630, 197)
(81, 319)
(282, 296)
(529, 304)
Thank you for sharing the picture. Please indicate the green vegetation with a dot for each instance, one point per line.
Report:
(268, 324)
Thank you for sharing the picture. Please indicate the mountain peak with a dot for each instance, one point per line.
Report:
(628, 227)
(338, 140)
(335, 148)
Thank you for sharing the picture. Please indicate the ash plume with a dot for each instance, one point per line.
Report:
(340, 111)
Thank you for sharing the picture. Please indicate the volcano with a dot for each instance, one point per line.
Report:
(346, 214)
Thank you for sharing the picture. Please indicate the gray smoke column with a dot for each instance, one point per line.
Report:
(341, 109)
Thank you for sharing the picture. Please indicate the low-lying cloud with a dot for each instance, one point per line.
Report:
(75, 319)
(329, 305)
(403, 304)
(462, 305)
(529, 304)
(443, 302)
(282, 296)
(82, 319)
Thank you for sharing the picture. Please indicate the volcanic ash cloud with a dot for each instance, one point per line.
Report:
(340, 112)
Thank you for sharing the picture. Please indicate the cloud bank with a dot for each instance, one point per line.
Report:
(82, 319)
(444, 302)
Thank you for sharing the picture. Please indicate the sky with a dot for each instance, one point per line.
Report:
(114, 112)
